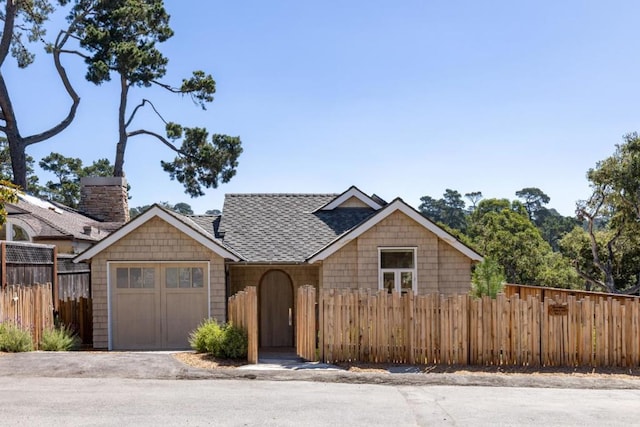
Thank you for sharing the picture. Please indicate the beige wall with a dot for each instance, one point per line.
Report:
(440, 268)
(155, 240)
(241, 276)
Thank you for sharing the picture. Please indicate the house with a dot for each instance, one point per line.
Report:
(71, 231)
(157, 277)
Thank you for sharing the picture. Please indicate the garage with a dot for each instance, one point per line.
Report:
(155, 306)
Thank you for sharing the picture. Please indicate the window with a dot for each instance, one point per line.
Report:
(397, 269)
(135, 277)
(13, 232)
(184, 277)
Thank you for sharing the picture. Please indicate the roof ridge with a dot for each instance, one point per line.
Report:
(280, 194)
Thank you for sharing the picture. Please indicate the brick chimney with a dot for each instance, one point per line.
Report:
(105, 198)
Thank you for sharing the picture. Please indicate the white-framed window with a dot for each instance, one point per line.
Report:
(397, 269)
(14, 233)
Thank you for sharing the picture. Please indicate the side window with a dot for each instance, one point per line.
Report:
(397, 269)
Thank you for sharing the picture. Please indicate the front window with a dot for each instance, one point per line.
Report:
(397, 269)
(14, 233)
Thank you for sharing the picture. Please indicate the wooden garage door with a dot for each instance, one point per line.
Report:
(155, 306)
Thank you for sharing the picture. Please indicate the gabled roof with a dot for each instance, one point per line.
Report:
(284, 227)
(398, 205)
(183, 223)
(352, 193)
(47, 220)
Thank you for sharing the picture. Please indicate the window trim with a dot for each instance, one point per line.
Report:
(398, 271)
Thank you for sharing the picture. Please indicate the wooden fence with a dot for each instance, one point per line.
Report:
(432, 329)
(243, 312)
(306, 323)
(77, 315)
(28, 307)
(560, 295)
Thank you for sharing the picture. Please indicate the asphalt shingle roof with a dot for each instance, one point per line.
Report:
(61, 221)
(283, 227)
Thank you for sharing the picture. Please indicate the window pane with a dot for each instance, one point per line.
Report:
(135, 277)
(19, 235)
(171, 277)
(388, 280)
(396, 259)
(149, 278)
(185, 277)
(198, 277)
(406, 281)
(122, 277)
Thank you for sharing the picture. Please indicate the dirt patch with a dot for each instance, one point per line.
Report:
(599, 372)
(206, 361)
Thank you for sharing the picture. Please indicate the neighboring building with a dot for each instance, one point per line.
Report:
(72, 231)
(157, 277)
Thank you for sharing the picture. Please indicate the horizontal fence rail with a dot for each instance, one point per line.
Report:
(365, 326)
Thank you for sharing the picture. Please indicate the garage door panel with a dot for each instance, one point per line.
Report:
(137, 326)
(184, 312)
(155, 306)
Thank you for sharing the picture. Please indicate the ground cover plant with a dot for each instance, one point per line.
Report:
(61, 338)
(14, 339)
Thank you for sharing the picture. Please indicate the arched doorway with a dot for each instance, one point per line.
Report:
(276, 310)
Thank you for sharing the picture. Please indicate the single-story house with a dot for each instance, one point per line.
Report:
(158, 276)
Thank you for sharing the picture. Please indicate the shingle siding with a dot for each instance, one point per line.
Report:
(153, 241)
(440, 267)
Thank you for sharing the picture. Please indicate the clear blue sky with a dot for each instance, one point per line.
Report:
(399, 98)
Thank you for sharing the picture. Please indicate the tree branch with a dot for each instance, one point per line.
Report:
(135, 110)
(589, 278)
(162, 139)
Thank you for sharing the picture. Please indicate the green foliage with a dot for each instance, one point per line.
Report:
(224, 341)
(60, 338)
(450, 210)
(14, 339)
(612, 217)
(487, 279)
(68, 171)
(182, 208)
(534, 199)
(8, 194)
(6, 171)
(202, 163)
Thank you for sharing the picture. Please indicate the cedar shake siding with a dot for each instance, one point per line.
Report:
(153, 241)
(440, 267)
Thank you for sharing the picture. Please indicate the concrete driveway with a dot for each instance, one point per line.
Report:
(163, 366)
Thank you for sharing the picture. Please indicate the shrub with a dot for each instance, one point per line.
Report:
(225, 341)
(60, 338)
(13, 339)
(487, 279)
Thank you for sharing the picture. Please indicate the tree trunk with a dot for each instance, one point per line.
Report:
(118, 166)
(18, 160)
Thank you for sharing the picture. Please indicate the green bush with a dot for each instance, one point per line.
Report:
(225, 341)
(60, 338)
(13, 339)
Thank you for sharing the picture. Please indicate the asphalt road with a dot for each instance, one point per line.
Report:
(28, 401)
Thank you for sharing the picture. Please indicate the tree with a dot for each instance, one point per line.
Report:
(553, 226)
(534, 199)
(121, 38)
(614, 204)
(68, 171)
(213, 212)
(487, 279)
(450, 210)
(183, 208)
(473, 197)
(26, 18)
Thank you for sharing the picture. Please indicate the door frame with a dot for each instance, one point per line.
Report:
(156, 263)
(293, 305)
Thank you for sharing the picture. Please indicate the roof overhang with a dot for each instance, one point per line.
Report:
(398, 205)
(151, 213)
